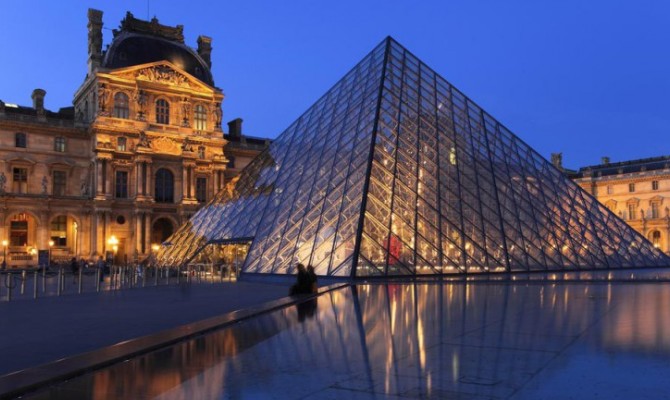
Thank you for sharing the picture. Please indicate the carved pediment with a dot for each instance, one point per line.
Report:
(162, 72)
(165, 145)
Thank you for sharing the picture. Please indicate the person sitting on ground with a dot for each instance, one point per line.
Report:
(303, 282)
(312, 279)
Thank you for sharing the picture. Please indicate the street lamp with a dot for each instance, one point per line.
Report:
(114, 242)
(4, 254)
(51, 244)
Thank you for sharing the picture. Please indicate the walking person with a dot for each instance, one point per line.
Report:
(74, 267)
(101, 267)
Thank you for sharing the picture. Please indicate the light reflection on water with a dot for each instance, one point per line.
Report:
(411, 340)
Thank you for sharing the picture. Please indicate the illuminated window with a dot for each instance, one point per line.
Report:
(121, 185)
(200, 117)
(59, 230)
(655, 207)
(20, 140)
(121, 144)
(631, 211)
(164, 188)
(59, 144)
(121, 109)
(654, 185)
(631, 187)
(656, 239)
(201, 190)
(20, 180)
(59, 182)
(18, 230)
(162, 112)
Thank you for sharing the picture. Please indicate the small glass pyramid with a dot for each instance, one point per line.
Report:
(395, 172)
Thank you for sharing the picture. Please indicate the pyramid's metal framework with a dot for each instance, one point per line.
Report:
(395, 172)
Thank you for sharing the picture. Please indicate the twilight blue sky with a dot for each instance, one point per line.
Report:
(584, 77)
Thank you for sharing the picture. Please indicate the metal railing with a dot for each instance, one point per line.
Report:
(60, 280)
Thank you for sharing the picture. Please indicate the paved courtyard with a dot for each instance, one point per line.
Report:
(34, 332)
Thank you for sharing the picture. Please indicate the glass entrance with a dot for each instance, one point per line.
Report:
(223, 259)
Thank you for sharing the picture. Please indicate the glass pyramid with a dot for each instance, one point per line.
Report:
(395, 172)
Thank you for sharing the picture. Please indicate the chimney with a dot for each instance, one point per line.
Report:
(605, 160)
(38, 100)
(235, 128)
(94, 39)
(205, 49)
(557, 160)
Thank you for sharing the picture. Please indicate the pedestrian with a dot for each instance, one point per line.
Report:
(101, 268)
(74, 267)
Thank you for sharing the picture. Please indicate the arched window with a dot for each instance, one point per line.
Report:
(162, 112)
(121, 105)
(656, 239)
(200, 117)
(164, 189)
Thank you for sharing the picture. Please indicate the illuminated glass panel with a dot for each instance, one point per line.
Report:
(395, 172)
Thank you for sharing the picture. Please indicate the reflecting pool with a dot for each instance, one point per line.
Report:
(423, 340)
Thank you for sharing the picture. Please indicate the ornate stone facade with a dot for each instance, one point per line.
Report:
(638, 191)
(137, 155)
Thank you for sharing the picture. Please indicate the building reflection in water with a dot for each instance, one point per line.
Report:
(401, 339)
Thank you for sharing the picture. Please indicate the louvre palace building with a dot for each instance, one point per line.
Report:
(140, 150)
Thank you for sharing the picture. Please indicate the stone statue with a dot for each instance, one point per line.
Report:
(185, 111)
(141, 100)
(45, 184)
(84, 188)
(143, 140)
(217, 115)
(187, 146)
(103, 97)
(3, 182)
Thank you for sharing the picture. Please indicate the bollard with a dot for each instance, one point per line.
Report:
(23, 282)
(8, 283)
(37, 275)
(97, 279)
(155, 269)
(44, 279)
(59, 286)
(80, 283)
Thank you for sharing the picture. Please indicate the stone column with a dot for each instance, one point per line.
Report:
(184, 183)
(138, 217)
(43, 230)
(147, 230)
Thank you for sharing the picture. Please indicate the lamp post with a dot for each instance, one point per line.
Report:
(51, 244)
(154, 249)
(4, 254)
(114, 243)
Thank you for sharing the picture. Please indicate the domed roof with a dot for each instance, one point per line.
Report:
(130, 48)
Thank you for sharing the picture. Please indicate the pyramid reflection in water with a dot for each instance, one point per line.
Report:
(395, 172)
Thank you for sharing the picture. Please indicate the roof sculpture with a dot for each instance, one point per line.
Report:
(396, 172)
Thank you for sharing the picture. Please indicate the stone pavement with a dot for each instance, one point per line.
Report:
(34, 332)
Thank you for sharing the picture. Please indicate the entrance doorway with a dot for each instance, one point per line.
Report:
(225, 259)
(161, 230)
